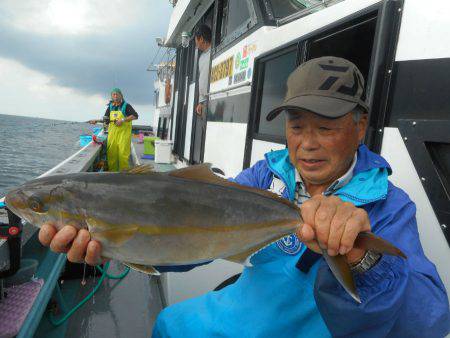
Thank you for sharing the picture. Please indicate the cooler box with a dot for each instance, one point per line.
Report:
(163, 151)
(149, 145)
(85, 140)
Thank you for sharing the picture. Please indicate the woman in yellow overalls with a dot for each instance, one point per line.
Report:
(119, 131)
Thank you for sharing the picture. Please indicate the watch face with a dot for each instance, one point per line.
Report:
(370, 259)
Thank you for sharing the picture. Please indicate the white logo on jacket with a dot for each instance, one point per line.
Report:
(289, 244)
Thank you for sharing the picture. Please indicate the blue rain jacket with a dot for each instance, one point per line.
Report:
(273, 298)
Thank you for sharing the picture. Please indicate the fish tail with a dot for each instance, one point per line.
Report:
(369, 241)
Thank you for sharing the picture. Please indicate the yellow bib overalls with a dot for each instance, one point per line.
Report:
(119, 139)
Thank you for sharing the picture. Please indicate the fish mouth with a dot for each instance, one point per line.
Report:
(16, 201)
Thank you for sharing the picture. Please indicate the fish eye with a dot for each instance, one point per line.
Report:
(35, 204)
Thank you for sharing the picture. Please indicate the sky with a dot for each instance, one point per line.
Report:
(60, 59)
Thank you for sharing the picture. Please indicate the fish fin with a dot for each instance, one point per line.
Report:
(147, 269)
(203, 173)
(117, 237)
(139, 169)
(341, 270)
(244, 257)
(368, 241)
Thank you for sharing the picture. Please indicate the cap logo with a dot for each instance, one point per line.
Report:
(350, 90)
(328, 83)
(341, 69)
(331, 80)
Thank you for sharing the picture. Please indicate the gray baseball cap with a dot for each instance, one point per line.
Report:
(328, 86)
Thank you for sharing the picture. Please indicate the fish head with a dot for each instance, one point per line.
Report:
(44, 200)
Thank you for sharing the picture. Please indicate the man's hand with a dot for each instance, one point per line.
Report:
(93, 121)
(119, 122)
(199, 109)
(77, 244)
(333, 225)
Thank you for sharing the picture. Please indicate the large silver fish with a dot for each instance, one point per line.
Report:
(186, 216)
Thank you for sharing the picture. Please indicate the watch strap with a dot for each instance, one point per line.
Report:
(369, 260)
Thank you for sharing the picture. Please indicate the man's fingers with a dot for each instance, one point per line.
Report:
(323, 218)
(93, 253)
(63, 238)
(46, 234)
(358, 222)
(337, 227)
(77, 251)
(307, 235)
(308, 210)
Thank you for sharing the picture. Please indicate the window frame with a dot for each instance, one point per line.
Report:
(239, 32)
(271, 13)
(259, 86)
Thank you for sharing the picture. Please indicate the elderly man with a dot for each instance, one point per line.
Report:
(343, 189)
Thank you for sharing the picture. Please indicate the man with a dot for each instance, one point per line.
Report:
(120, 115)
(202, 38)
(343, 190)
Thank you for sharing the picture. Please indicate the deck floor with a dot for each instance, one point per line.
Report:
(126, 308)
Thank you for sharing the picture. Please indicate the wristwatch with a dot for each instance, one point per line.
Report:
(369, 260)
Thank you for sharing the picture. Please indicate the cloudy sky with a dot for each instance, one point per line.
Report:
(60, 58)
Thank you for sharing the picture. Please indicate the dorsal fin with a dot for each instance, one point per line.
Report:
(203, 173)
(139, 169)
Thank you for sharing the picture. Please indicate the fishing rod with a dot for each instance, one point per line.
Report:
(61, 123)
(105, 119)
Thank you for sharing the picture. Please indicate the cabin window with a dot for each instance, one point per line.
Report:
(159, 130)
(274, 73)
(164, 129)
(236, 17)
(156, 98)
(353, 42)
(283, 8)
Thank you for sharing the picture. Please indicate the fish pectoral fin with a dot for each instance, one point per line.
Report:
(244, 257)
(139, 169)
(368, 241)
(116, 236)
(147, 269)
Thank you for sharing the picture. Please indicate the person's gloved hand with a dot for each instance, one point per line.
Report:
(76, 243)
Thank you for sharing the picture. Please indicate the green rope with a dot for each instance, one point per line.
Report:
(57, 322)
(122, 275)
